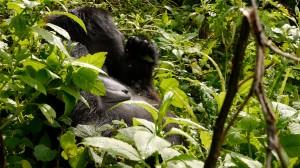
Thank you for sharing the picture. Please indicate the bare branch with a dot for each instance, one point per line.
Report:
(278, 51)
(273, 140)
(218, 136)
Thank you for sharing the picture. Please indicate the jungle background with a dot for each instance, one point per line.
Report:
(198, 42)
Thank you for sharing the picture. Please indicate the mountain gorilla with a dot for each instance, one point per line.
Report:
(130, 68)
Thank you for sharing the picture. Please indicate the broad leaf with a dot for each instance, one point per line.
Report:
(59, 30)
(148, 107)
(113, 146)
(43, 153)
(244, 161)
(48, 112)
(96, 59)
(148, 143)
(51, 38)
(33, 83)
(67, 140)
(73, 17)
(168, 153)
(291, 144)
(148, 124)
(183, 121)
(129, 132)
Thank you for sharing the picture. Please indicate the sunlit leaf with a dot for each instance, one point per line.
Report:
(96, 59)
(51, 38)
(148, 107)
(73, 17)
(48, 112)
(148, 124)
(147, 143)
(113, 146)
(59, 30)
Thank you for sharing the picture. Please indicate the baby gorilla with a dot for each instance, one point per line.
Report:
(130, 66)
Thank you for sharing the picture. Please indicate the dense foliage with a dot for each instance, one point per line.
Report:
(196, 42)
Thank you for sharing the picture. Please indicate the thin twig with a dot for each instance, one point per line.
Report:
(278, 51)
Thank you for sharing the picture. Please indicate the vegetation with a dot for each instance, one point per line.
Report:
(202, 45)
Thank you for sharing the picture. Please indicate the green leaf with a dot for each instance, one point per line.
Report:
(206, 139)
(25, 164)
(80, 160)
(183, 161)
(48, 112)
(59, 30)
(113, 146)
(22, 54)
(96, 59)
(67, 140)
(148, 124)
(284, 110)
(182, 133)
(180, 99)
(84, 78)
(73, 17)
(98, 88)
(168, 153)
(31, 4)
(9, 102)
(148, 143)
(167, 84)
(89, 66)
(88, 80)
(37, 85)
(52, 59)
(244, 161)
(72, 91)
(183, 121)
(43, 153)
(244, 89)
(69, 102)
(291, 144)
(5, 56)
(51, 38)
(84, 131)
(129, 132)
(248, 123)
(36, 65)
(165, 103)
(17, 7)
(148, 107)
(96, 158)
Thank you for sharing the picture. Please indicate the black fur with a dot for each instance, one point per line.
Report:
(130, 66)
